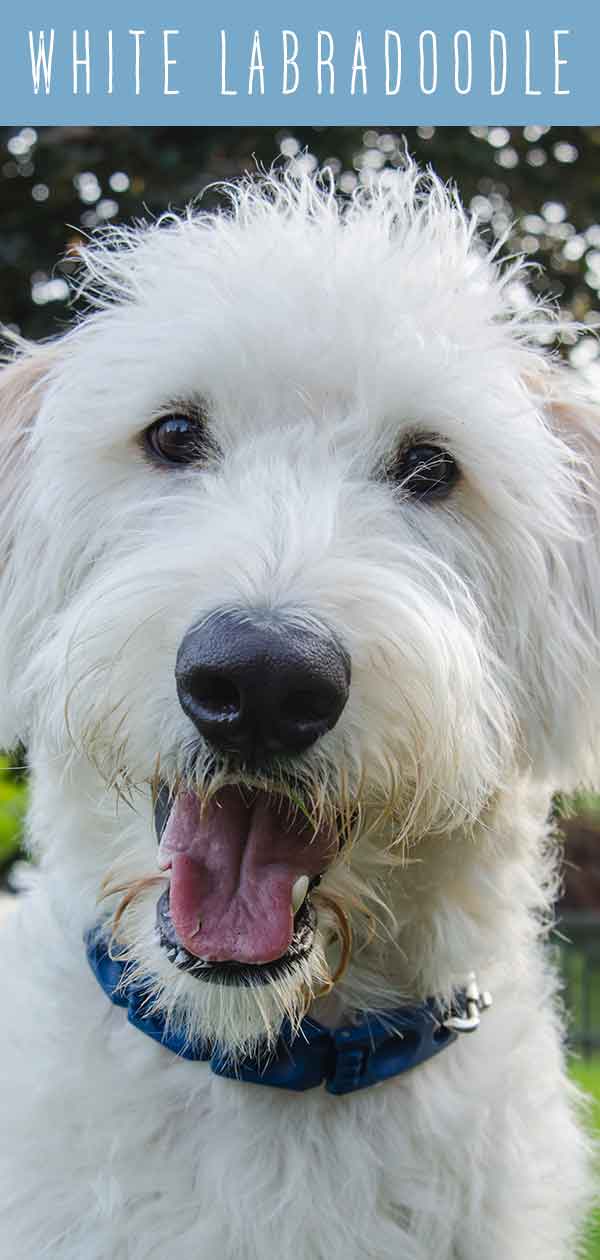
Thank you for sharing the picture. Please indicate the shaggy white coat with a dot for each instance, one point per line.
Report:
(318, 342)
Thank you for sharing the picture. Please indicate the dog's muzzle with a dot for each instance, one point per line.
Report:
(242, 864)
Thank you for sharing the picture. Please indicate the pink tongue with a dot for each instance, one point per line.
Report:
(233, 867)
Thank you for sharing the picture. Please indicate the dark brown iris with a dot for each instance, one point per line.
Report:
(425, 471)
(175, 439)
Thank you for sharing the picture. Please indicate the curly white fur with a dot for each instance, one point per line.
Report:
(318, 339)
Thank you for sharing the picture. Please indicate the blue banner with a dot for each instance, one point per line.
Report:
(278, 62)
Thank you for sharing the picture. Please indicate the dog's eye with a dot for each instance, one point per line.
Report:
(175, 439)
(425, 471)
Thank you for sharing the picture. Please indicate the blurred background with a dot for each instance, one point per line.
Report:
(538, 187)
(539, 184)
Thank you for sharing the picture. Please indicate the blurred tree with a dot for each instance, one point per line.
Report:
(57, 184)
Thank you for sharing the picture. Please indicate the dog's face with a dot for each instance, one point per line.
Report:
(298, 558)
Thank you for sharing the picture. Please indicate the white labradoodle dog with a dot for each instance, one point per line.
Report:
(300, 575)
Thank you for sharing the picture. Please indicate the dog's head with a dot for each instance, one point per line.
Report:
(300, 561)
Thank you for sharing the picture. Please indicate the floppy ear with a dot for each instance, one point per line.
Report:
(21, 384)
(567, 642)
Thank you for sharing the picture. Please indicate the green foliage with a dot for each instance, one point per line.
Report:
(587, 1076)
(586, 1072)
(13, 797)
(583, 802)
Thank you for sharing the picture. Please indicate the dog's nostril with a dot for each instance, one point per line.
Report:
(217, 695)
(306, 706)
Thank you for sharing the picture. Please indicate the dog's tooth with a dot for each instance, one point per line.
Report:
(182, 956)
(299, 892)
(171, 954)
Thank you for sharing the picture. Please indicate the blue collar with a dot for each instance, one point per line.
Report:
(345, 1060)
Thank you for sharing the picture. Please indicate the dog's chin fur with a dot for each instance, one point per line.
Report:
(320, 341)
(243, 1019)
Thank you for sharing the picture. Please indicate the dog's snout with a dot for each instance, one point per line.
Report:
(261, 685)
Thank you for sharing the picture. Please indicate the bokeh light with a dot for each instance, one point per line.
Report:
(535, 188)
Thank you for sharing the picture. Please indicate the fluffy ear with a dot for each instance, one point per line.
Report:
(21, 385)
(567, 637)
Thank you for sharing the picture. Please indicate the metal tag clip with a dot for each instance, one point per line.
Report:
(475, 1003)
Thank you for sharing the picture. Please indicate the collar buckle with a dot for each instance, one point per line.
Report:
(475, 1003)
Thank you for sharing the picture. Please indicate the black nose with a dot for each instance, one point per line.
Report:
(261, 685)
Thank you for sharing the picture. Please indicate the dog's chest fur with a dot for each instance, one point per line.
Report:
(118, 1149)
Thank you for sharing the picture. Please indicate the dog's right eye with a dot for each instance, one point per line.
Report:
(424, 471)
(174, 439)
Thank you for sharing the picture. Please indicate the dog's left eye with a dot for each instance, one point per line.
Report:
(174, 439)
(425, 471)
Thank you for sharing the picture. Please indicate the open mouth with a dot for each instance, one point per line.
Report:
(242, 867)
